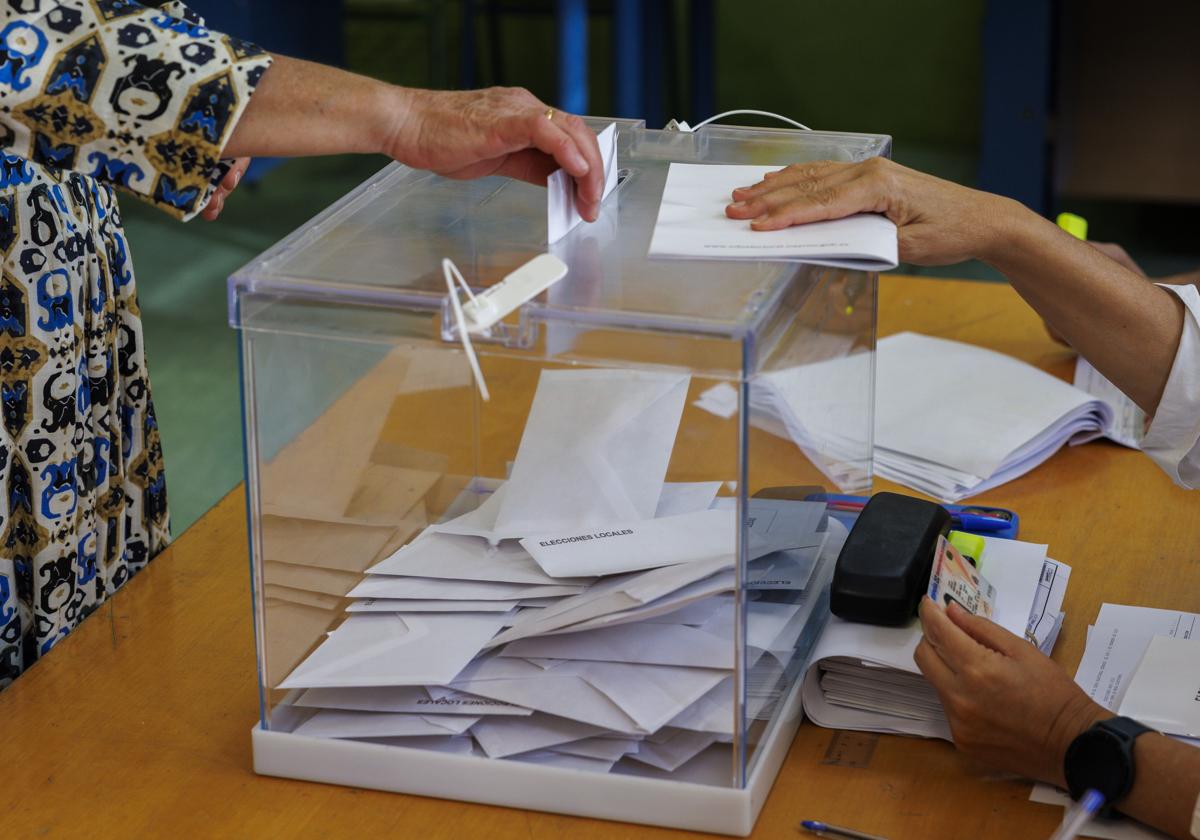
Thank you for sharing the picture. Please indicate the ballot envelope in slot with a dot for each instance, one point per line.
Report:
(567, 596)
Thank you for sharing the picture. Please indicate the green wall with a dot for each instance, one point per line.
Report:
(910, 69)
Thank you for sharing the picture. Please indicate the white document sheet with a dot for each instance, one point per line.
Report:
(405, 698)
(635, 546)
(562, 216)
(779, 524)
(648, 644)
(389, 586)
(452, 557)
(678, 498)
(595, 450)
(335, 723)
(721, 399)
(692, 225)
(453, 744)
(550, 758)
(606, 748)
(615, 595)
(650, 694)
(1162, 693)
(400, 605)
(392, 649)
(1117, 642)
(1129, 422)
(512, 736)
(999, 403)
(673, 752)
(525, 684)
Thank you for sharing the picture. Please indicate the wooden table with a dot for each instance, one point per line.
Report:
(138, 725)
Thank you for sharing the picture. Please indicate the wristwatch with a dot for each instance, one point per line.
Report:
(1101, 759)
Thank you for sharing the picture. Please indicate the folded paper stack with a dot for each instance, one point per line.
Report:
(584, 612)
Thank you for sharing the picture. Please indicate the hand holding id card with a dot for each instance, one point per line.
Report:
(955, 579)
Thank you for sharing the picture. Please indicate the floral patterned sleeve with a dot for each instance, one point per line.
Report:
(143, 98)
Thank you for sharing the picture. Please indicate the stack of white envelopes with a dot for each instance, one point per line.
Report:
(583, 614)
(863, 676)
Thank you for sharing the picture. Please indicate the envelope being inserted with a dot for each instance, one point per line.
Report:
(595, 450)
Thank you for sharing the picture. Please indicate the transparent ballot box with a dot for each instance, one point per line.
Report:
(594, 592)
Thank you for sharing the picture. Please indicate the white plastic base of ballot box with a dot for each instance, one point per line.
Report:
(609, 796)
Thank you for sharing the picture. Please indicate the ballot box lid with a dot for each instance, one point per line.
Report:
(383, 244)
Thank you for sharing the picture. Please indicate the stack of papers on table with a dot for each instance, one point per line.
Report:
(1135, 664)
(863, 677)
(692, 225)
(951, 419)
(582, 615)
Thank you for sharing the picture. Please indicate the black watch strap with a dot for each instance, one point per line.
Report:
(1127, 729)
(1120, 733)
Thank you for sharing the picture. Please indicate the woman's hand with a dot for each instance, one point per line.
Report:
(1008, 704)
(939, 222)
(228, 184)
(498, 131)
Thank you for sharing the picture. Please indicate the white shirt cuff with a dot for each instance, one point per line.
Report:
(1173, 440)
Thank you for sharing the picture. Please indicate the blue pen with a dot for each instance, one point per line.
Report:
(1078, 816)
(975, 522)
(818, 827)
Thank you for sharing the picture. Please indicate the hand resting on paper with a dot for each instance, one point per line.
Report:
(1127, 328)
(1014, 708)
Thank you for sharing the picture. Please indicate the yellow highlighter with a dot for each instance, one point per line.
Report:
(969, 546)
(1074, 225)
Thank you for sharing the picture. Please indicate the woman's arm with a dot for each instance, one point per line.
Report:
(1015, 708)
(1127, 328)
(301, 108)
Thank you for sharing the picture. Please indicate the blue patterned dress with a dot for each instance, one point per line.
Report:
(94, 95)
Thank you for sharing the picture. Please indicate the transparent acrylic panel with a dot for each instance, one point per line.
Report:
(358, 447)
(810, 432)
(592, 570)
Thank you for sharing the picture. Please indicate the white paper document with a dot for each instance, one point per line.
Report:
(692, 225)
(414, 699)
(1117, 642)
(594, 451)
(1128, 426)
(512, 736)
(621, 594)
(452, 557)
(393, 649)
(387, 586)
(635, 546)
(333, 723)
(1005, 418)
(562, 214)
(1164, 689)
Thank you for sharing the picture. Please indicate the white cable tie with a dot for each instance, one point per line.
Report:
(451, 272)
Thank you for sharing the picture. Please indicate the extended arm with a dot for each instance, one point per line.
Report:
(1127, 328)
(301, 108)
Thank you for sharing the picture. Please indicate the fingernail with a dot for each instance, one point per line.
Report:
(581, 164)
(237, 178)
(743, 189)
(738, 205)
(761, 219)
